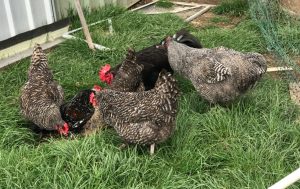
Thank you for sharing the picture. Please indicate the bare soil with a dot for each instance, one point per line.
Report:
(292, 5)
(297, 60)
(206, 20)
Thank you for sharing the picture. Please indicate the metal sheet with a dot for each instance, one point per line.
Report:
(4, 32)
(38, 13)
(19, 15)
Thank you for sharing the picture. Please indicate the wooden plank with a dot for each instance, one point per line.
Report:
(276, 69)
(180, 9)
(184, 3)
(198, 13)
(143, 6)
(84, 25)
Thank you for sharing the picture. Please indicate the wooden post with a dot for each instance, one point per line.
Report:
(84, 25)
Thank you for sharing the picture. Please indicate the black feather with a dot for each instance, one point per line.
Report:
(78, 110)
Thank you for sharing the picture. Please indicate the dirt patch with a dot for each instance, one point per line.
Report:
(297, 60)
(271, 60)
(207, 19)
(292, 5)
(210, 19)
(185, 14)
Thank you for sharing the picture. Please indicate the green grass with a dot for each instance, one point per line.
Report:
(245, 37)
(232, 7)
(219, 19)
(251, 144)
(280, 31)
(164, 4)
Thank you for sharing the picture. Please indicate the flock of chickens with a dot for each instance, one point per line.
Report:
(141, 102)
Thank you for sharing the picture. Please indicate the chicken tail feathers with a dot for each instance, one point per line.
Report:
(165, 81)
(184, 37)
(38, 55)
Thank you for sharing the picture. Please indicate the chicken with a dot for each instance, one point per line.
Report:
(128, 77)
(41, 96)
(146, 117)
(78, 110)
(153, 59)
(219, 74)
(184, 37)
(82, 113)
(95, 123)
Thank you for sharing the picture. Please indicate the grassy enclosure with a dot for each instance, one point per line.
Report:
(251, 144)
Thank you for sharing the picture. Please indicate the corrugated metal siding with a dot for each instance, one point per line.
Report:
(20, 16)
(4, 32)
(62, 7)
(39, 12)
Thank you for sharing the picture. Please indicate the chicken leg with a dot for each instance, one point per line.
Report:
(152, 149)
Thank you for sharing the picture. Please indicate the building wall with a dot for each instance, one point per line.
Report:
(19, 16)
(62, 7)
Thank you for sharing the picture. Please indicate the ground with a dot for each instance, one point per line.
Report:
(250, 144)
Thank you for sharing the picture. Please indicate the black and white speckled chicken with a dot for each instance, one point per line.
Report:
(129, 76)
(95, 123)
(145, 118)
(153, 60)
(219, 74)
(41, 96)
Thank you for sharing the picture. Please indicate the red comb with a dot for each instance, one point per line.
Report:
(92, 99)
(66, 128)
(97, 88)
(103, 71)
(92, 96)
(63, 130)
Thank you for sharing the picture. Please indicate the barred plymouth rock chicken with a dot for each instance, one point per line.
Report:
(41, 96)
(145, 118)
(153, 60)
(129, 76)
(219, 74)
(95, 123)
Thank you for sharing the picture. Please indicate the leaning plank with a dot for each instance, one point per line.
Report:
(176, 10)
(276, 69)
(198, 13)
(191, 4)
(143, 6)
(84, 25)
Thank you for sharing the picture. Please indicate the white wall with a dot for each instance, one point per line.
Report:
(18, 16)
